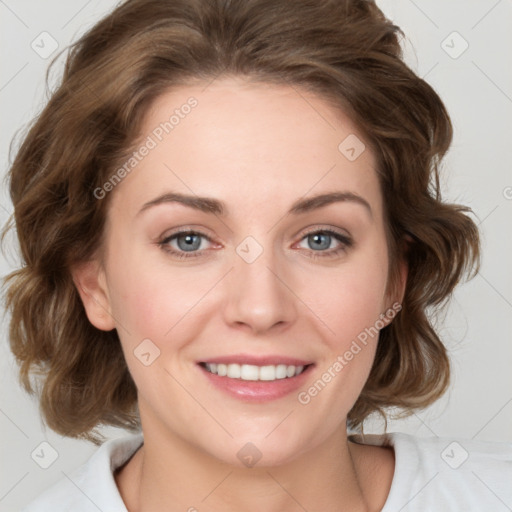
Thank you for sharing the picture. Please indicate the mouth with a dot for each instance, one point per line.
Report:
(250, 372)
(256, 379)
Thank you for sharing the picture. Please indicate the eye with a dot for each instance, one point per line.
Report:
(191, 244)
(320, 241)
(184, 244)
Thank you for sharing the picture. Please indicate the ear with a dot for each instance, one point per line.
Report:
(90, 281)
(403, 265)
(402, 274)
(395, 295)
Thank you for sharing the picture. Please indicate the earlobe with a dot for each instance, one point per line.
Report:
(89, 279)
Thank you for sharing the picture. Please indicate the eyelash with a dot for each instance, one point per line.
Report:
(346, 242)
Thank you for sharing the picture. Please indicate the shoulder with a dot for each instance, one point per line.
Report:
(91, 487)
(447, 474)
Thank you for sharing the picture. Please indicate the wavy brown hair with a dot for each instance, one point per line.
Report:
(346, 52)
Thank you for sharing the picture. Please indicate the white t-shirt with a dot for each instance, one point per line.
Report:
(431, 475)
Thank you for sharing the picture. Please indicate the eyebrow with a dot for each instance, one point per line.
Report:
(211, 205)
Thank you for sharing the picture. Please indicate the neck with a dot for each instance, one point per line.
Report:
(170, 474)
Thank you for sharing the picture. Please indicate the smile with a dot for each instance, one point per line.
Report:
(256, 378)
(254, 373)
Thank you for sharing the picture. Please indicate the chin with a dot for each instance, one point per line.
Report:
(259, 451)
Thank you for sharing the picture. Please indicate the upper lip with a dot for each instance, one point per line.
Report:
(257, 360)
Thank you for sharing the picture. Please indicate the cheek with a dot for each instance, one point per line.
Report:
(353, 298)
(352, 313)
(145, 306)
(358, 306)
(152, 306)
(134, 301)
(157, 301)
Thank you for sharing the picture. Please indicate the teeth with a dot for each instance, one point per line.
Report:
(247, 371)
(267, 373)
(252, 372)
(234, 371)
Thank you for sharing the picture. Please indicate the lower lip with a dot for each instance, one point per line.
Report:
(258, 391)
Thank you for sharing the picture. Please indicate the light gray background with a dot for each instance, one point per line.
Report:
(477, 89)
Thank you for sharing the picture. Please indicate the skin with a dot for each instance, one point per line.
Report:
(258, 148)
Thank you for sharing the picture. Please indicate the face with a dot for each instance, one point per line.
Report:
(218, 258)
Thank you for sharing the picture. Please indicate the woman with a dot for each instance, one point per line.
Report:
(231, 221)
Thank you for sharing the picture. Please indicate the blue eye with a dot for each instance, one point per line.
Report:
(191, 241)
(320, 242)
(188, 244)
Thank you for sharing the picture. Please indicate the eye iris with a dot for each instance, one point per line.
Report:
(192, 242)
(317, 238)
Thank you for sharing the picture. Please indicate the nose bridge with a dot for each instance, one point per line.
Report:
(258, 296)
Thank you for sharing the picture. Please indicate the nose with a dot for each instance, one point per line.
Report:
(259, 294)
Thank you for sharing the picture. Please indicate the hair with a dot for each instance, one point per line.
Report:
(347, 53)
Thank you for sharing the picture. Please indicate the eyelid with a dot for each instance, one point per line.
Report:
(164, 242)
(345, 242)
(342, 236)
(304, 232)
(186, 229)
(345, 239)
(327, 229)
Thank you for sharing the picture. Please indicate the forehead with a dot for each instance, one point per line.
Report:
(249, 143)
